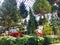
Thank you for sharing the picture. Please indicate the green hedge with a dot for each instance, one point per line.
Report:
(26, 40)
(29, 40)
(50, 40)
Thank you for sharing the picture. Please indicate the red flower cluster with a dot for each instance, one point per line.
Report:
(40, 34)
(16, 34)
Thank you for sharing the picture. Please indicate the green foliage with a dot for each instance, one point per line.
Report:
(22, 10)
(35, 40)
(54, 23)
(51, 40)
(58, 11)
(13, 2)
(58, 30)
(9, 10)
(54, 8)
(32, 24)
(47, 40)
(25, 22)
(7, 41)
(42, 21)
(20, 41)
(40, 40)
(21, 28)
(52, 1)
(31, 41)
(42, 6)
(1, 30)
(47, 29)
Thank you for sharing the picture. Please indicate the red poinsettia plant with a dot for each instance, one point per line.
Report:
(16, 34)
(40, 34)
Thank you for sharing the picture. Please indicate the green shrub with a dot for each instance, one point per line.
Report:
(7, 40)
(56, 40)
(1, 30)
(31, 41)
(47, 29)
(58, 30)
(50, 40)
(26, 40)
(20, 41)
(40, 40)
(36, 40)
(47, 40)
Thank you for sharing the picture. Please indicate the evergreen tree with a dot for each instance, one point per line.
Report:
(52, 1)
(41, 6)
(58, 10)
(54, 23)
(13, 2)
(22, 10)
(32, 24)
(9, 9)
(25, 22)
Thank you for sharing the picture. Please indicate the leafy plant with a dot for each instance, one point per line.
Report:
(47, 40)
(6, 40)
(47, 29)
(31, 41)
(41, 6)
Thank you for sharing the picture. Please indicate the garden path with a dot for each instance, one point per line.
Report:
(55, 44)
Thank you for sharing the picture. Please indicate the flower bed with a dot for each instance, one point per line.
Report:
(36, 39)
(39, 34)
(16, 34)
